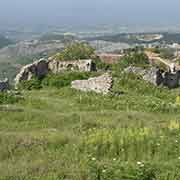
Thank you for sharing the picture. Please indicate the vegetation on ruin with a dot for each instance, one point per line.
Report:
(55, 80)
(75, 51)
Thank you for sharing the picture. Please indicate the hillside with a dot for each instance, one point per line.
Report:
(66, 134)
(120, 124)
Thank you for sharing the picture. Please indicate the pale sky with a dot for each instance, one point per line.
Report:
(84, 12)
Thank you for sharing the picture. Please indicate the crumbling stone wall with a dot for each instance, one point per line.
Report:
(37, 69)
(156, 76)
(110, 58)
(4, 85)
(56, 66)
(151, 75)
(41, 67)
(101, 84)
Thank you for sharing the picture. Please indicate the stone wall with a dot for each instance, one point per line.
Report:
(4, 85)
(110, 58)
(41, 67)
(151, 75)
(77, 65)
(156, 76)
(101, 84)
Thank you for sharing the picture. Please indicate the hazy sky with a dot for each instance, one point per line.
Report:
(84, 12)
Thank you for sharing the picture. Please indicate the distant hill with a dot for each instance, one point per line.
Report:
(4, 41)
(64, 38)
(138, 38)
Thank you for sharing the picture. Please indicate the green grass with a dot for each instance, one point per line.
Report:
(69, 135)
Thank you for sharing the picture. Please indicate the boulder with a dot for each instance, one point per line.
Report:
(101, 84)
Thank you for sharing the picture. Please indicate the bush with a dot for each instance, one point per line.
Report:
(62, 80)
(7, 98)
(135, 59)
(30, 85)
(75, 51)
(54, 80)
(101, 65)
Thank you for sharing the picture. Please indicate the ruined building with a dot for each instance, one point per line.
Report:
(42, 67)
(86, 65)
(156, 76)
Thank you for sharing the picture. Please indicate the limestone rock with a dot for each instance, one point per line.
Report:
(101, 84)
(4, 85)
(37, 69)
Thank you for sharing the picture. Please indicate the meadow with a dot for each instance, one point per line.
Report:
(60, 133)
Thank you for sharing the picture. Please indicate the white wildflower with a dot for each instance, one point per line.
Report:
(139, 163)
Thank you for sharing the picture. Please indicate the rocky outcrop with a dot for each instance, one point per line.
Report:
(4, 85)
(101, 84)
(156, 76)
(56, 66)
(37, 69)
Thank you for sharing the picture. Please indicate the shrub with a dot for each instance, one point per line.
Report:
(65, 79)
(101, 65)
(8, 98)
(30, 85)
(135, 59)
(75, 51)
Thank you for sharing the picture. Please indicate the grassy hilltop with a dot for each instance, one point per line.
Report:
(56, 132)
